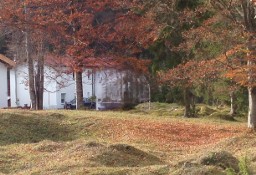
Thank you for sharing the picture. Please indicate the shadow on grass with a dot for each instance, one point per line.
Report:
(32, 128)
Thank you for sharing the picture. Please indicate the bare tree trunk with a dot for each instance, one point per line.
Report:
(233, 106)
(251, 90)
(31, 73)
(79, 90)
(189, 103)
(250, 25)
(40, 82)
(252, 108)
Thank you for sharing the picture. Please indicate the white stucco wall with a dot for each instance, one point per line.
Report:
(67, 87)
(108, 84)
(55, 84)
(12, 86)
(21, 85)
(87, 83)
(3, 86)
(23, 97)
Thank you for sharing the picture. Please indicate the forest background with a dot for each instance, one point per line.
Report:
(199, 51)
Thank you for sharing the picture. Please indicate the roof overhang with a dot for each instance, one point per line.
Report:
(7, 61)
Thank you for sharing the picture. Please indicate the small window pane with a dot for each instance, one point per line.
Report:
(63, 97)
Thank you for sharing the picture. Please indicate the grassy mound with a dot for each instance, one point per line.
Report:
(48, 146)
(76, 142)
(204, 110)
(210, 164)
(160, 109)
(176, 110)
(149, 170)
(222, 116)
(199, 170)
(33, 128)
(122, 155)
(221, 159)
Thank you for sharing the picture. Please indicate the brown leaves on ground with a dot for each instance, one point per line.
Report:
(170, 135)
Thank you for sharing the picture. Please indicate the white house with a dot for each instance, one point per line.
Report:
(59, 87)
(110, 87)
(114, 89)
(5, 65)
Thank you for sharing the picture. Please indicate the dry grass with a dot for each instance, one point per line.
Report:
(114, 143)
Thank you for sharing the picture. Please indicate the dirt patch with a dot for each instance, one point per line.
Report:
(122, 155)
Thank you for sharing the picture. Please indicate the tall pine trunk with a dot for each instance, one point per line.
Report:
(79, 90)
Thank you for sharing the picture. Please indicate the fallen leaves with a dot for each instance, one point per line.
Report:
(169, 135)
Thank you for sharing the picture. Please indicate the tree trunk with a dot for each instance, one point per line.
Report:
(189, 102)
(79, 90)
(233, 106)
(40, 83)
(250, 25)
(31, 73)
(30, 62)
(252, 108)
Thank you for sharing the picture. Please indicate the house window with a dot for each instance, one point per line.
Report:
(89, 74)
(63, 98)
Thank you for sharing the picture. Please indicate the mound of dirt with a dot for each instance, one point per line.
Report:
(210, 164)
(48, 146)
(93, 144)
(221, 159)
(122, 155)
(222, 115)
(200, 170)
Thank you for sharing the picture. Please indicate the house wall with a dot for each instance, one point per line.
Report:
(22, 91)
(23, 97)
(87, 83)
(108, 89)
(67, 88)
(111, 87)
(115, 88)
(3, 87)
(55, 85)
(12, 87)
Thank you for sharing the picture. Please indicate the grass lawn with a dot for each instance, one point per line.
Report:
(137, 142)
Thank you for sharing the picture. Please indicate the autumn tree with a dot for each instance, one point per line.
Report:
(187, 77)
(240, 17)
(18, 18)
(99, 29)
(81, 31)
(242, 13)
